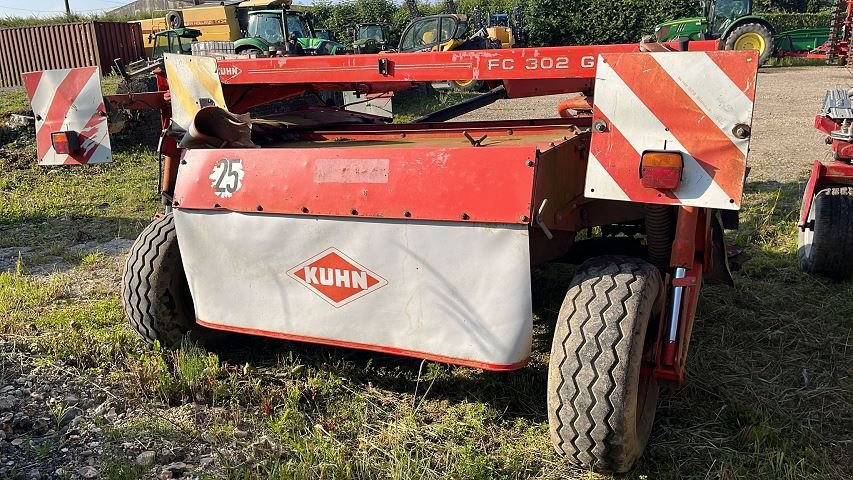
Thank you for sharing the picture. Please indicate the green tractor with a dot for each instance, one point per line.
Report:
(179, 40)
(324, 34)
(371, 38)
(730, 21)
(286, 29)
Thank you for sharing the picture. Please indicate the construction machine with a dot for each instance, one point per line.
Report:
(452, 31)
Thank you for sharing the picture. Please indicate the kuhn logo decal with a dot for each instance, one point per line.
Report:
(336, 278)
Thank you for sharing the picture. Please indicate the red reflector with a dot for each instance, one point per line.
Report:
(661, 170)
(65, 142)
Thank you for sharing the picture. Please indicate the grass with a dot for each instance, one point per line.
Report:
(409, 106)
(768, 396)
(13, 100)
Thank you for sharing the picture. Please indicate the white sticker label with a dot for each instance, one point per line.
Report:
(227, 177)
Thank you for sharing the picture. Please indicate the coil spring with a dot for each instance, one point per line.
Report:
(659, 233)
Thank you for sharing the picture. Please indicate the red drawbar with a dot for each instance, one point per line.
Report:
(495, 367)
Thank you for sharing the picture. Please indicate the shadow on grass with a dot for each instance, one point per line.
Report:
(47, 243)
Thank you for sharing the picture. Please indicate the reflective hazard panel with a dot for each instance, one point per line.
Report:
(69, 101)
(696, 103)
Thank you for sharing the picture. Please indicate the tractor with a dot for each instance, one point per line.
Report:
(324, 34)
(179, 40)
(286, 29)
(371, 38)
(730, 21)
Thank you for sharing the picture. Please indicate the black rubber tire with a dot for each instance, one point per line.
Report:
(472, 86)
(155, 292)
(758, 28)
(175, 19)
(600, 409)
(827, 247)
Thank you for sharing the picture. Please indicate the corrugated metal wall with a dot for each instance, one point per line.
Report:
(69, 45)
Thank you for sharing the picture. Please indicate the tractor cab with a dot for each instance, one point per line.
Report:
(437, 33)
(287, 29)
(721, 14)
(371, 37)
(499, 20)
(730, 21)
(179, 41)
(324, 34)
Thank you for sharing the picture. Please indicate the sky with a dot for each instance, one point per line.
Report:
(47, 8)
(42, 8)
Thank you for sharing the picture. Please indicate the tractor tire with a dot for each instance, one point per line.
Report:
(600, 408)
(825, 246)
(155, 292)
(466, 85)
(750, 36)
(175, 19)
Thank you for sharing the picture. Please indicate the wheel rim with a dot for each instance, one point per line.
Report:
(463, 83)
(750, 41)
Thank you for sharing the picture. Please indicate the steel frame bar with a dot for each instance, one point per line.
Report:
(499, 64)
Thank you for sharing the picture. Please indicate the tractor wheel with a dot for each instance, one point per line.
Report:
(175, 19)
(600, 408)
(467, 85)
(155, 292)
(826, 244)
(752, 36)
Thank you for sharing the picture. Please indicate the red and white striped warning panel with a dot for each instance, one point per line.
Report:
(696, 103)
(69, 101)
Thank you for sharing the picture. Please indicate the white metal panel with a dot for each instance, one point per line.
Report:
(695, 109)
(193, 84)
(69, 100)
(445, 289)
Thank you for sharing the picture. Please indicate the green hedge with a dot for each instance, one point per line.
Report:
(547, 22)
(790, 21)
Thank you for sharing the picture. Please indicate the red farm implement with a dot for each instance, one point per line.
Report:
(826, 233)
(418, 239)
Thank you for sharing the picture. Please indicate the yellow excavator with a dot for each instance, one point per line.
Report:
(453, 31)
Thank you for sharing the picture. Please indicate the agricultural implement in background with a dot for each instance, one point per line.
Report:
(418, 239)
(826, 230)
(737, 28)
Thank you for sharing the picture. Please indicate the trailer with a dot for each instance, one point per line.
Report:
(418, 239)
(825, 242)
